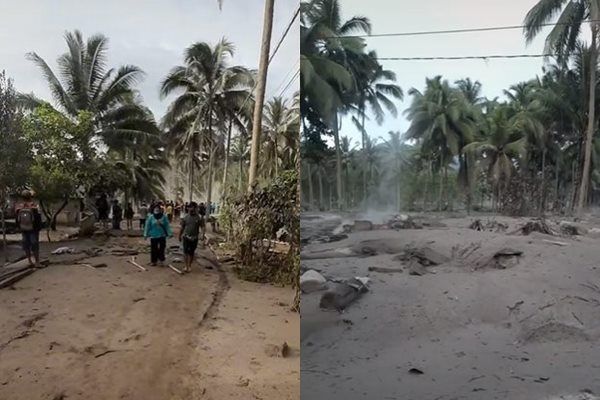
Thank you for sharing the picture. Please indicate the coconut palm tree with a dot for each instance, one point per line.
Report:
(280, 123)
(443, 121)
(563, 41)
(207, 85)
(85, 83)
(324, 74)
(503, 145)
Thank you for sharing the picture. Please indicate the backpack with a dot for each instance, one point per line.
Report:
(26, 219)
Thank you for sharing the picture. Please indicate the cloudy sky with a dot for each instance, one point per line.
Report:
(409, 16)
(151, 34)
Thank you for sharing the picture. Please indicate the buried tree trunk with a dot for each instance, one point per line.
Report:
(320, 180)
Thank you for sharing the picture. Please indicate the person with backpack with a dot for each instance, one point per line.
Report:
(188, 235)
(202, 213)
(158, 229)
(117, 215)
(129, 216)
(29, 222)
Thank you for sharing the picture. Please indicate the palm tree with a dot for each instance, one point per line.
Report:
(324, 75)
(208, 85)
(502, 145)
(471, 90)
(281, 128)
(239, 153)
(376, 92)
(443, 121)
(394, 154)
(563, 41)
(85, 83)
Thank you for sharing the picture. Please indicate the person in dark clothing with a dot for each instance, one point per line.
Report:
(129, 216)
(117, 215)
(29, 222)
(157, 228)
(103, 209)
(189, 234)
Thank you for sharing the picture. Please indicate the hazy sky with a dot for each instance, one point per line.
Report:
(409, 16)
(151, 34)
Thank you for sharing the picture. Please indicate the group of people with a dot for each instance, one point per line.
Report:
(154, 221)
(157, 228)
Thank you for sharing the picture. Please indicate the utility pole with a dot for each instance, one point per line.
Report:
(260, 92)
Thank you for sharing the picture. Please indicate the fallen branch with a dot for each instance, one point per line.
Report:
(555, 242)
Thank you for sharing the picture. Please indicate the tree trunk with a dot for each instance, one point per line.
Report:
(338, 162)
(587, 160)
(365, 162)
(224, 188)
(276, 156)
(3, 232)
(191, 180)
(211, 177)
(241, 180)
(320, 179)
(543, 191)
(311, 193)
(441, 189)
(260, 92)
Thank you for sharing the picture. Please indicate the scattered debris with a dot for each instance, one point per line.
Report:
(490, 225)
(312, 281)
(403, 221)
(343, 294)
(516, 307)
(360, 225)
(385, 270)
(415, 371)
(273, 350)
(555, 242)
(536, 225)
(573, 229)
(64, 250)
(425, 256)
(501, 259)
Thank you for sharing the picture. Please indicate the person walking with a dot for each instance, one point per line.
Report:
(189, 234)
(143, 210)
(129, 216)
(158, 229)
(117, 215)
(103, 209)
(29, 222)
(170, 211)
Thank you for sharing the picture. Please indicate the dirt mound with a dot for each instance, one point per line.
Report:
(554, 331)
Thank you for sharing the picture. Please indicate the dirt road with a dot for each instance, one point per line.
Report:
(75, 332)
(529, 331)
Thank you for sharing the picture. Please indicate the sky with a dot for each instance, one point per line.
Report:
(150, 34)
(409, 16)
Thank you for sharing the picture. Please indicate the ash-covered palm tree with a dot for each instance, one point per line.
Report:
(325, 77)
(208, 85)
(443, 121)
(85, 83)
(503, 145)
(562, 40)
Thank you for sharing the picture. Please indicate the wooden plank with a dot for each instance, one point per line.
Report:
(15, 278)
(175, 269)
(132, 262)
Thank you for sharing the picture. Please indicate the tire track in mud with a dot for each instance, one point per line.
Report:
(222, 288)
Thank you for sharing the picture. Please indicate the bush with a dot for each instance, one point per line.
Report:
(250, 218)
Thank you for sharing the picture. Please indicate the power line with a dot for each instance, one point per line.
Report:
(284, 80)
(452, 31)
(285, 33)
(289, 83)
(271, 58)
(484, 57)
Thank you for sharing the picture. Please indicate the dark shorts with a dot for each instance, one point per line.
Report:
(189, 246)
(31, 241)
